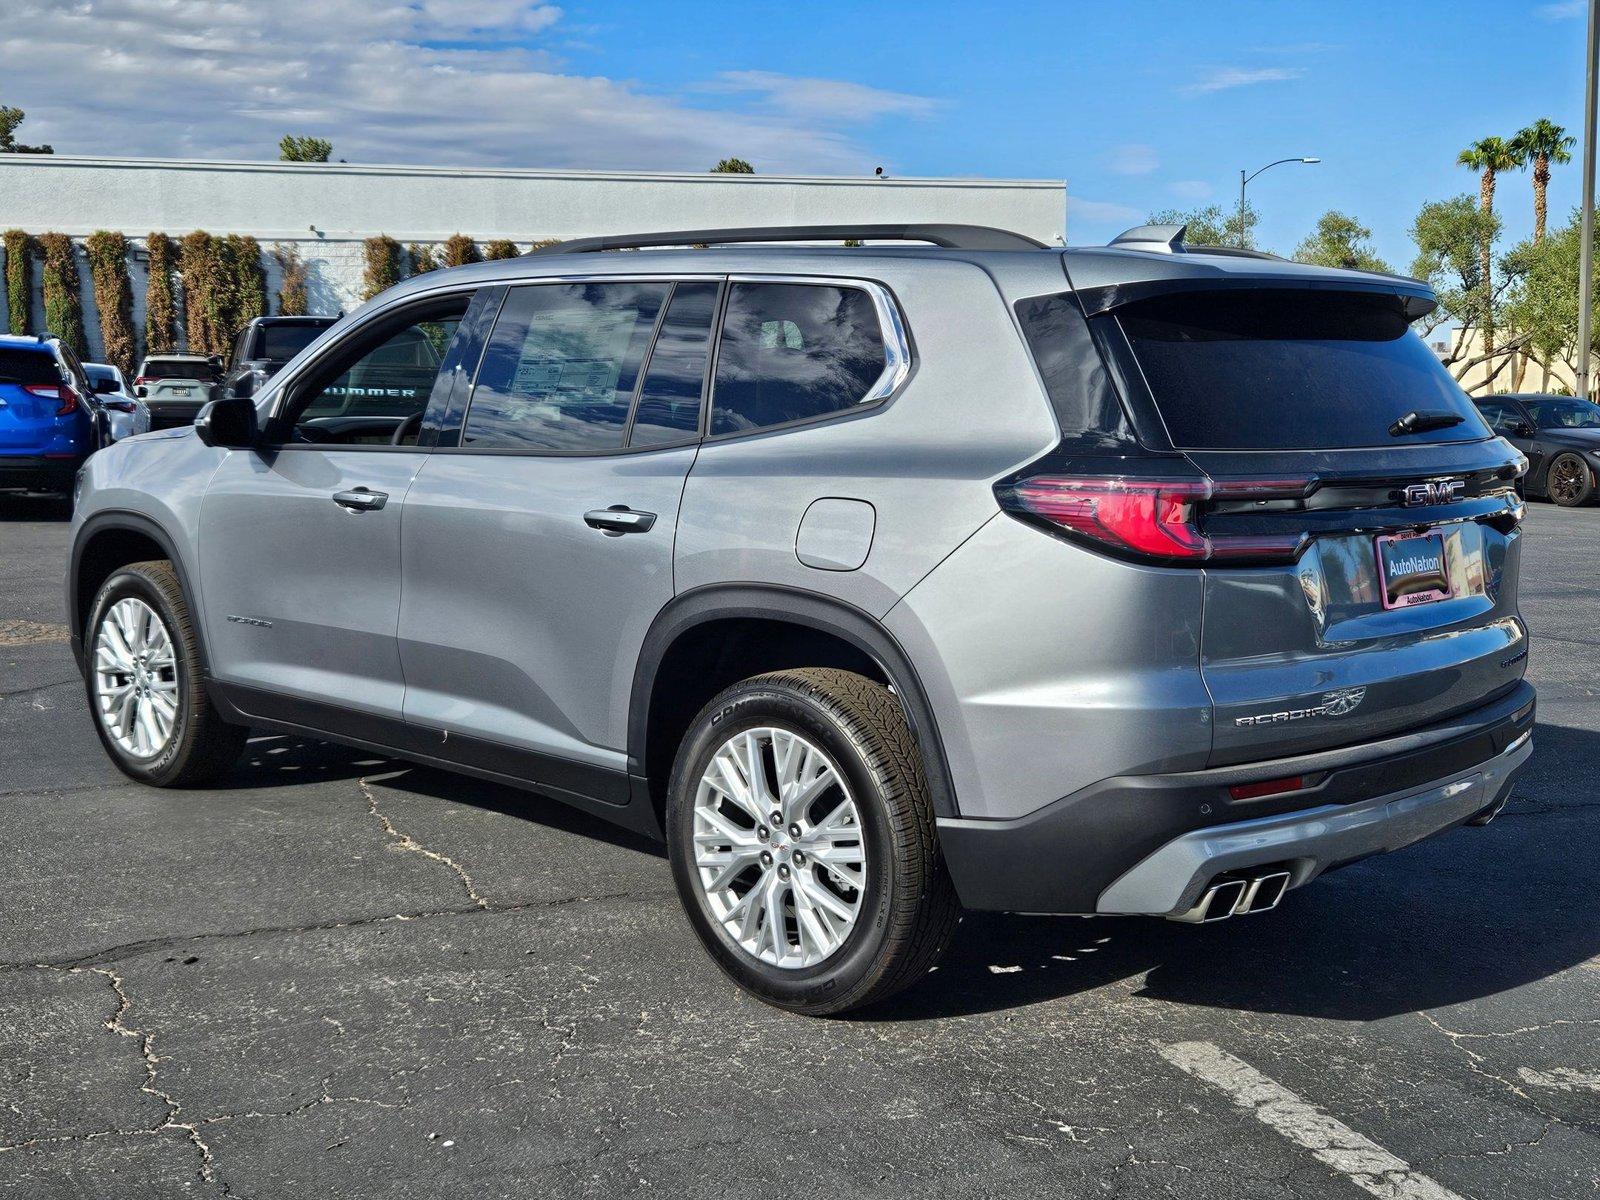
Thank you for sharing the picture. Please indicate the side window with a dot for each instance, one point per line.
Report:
(669, 399)
(792, 351)
(1500, 416)
(377, 380)
(561, 367)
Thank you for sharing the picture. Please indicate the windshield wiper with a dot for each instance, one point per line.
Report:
(1421, 422)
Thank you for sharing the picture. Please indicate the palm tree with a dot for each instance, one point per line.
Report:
(1490, 156)
(1544, 142)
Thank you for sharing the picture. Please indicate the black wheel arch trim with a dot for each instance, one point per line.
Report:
(133, 522)
(715, 602)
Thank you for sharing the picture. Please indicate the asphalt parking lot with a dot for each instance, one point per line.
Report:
(345, 976)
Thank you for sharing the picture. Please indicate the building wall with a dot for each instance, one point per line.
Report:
(326, 210)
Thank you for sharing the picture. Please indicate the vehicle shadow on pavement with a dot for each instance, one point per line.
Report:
(17, 507)
(1469, 914)
(274, 760)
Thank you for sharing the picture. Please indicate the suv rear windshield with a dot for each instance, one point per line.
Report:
(178, 368)
(28, 366)
(283, 342)
(1270, 369)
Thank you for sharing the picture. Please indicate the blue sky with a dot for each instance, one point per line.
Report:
(1142, 106)
(1138, 105)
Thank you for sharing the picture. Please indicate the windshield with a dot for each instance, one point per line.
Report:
(28, 366)
(178, 368)
(1564, 414)
(1280, 369)
(280, 343)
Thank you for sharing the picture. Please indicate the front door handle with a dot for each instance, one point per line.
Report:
(361, 499)
(618, 520)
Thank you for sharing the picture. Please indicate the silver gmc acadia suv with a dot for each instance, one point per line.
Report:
(881, 581)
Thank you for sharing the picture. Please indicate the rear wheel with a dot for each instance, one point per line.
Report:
(142, 672)
(1570, 482)
(803, 843)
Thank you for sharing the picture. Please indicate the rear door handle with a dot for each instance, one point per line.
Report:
(618, 520)
(361, 499)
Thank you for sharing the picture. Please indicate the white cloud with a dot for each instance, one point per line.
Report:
(1566, 11)
(394, 82)
(1133, 159)
(1191, 189)
(800, 96)
(1220, 79)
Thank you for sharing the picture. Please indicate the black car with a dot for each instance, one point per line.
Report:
(264, 346)
(1561, 437)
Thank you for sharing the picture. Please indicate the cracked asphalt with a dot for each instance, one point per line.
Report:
(343, 976)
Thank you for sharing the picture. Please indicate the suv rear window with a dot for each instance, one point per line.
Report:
(178, 368)
(1271, 369)
(279, 343)
(28, 366)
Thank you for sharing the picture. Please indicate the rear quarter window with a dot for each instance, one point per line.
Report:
(1081, 392)
(1279, 369)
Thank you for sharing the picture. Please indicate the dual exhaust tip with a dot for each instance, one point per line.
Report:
(1236, 897)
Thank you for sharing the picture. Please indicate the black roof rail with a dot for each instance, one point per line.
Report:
(952, 237)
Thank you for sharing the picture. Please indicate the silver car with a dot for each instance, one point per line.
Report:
(125, 413)
(881, 582)
(176, 386)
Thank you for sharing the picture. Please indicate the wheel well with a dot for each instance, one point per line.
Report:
(102, 554)
(710, 656)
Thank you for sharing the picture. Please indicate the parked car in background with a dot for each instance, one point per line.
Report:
(1560, 436)
(264, 346)
(125, 414)
(48, 425)
(176, 386)
(1141, 579)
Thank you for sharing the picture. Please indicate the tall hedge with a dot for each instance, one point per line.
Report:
(197, 266)
(382, 266)
(459, 250)
(160, 298)
(498, 249)
(243, 293)
(113, 298)
(19, 280)
(423, 258)
(63, 292)
(293, 299)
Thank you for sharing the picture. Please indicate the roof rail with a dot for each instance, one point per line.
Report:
(953, 237)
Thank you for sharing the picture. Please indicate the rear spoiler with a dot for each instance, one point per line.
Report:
(1415, 297)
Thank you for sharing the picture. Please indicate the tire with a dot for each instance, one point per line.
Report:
(199, 745)
(905, 907)
(1569, 480)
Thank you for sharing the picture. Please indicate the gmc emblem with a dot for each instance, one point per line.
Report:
(1439, 491)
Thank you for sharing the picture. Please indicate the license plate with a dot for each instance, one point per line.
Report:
(1411, 569)
(179, 391)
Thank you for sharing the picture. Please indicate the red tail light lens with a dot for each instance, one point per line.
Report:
(1154, 518)
(1267, 787)
(49, 391)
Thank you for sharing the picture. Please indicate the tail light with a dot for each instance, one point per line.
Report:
(49, 391)
(142, 380)
(1153, 519)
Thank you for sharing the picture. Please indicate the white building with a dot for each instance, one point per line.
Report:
(326, 210)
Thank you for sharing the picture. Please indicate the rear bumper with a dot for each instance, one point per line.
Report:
(1151, 844)
(36, 473)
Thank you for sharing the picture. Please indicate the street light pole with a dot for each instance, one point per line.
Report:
(1244, 179)
(1586, 251)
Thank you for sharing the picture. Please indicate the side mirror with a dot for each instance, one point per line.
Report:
(141, 391)
(1523, 429)
(229, 423)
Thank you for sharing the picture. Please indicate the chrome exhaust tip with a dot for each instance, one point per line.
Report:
(1217, 903)
(1263, 893)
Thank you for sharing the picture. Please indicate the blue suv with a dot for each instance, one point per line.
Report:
(48, 422)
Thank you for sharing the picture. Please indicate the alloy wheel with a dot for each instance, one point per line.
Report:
(1567, 479)
(778, 848)
(136, 678)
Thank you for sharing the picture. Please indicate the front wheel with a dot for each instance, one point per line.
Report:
(142, 672)
(1570, 482)
(803, 844)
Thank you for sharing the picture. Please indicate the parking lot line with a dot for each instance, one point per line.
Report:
(1334, 1144)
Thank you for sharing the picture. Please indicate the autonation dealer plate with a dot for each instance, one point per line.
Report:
(1412, 568)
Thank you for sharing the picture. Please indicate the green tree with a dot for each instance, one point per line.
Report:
(113, 298)
(197, 267)
(19, 280)
(10, 118)
(1340, 240)
(242, 295)
(160, 297)
(1542, 143)
(63, 292)
(500, 248)
(459, 250)
(1211, 226)
(304, 149)
(1489, 156)
(382, 266)
(1544, 302)
(1450, 235)
(733, 166)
